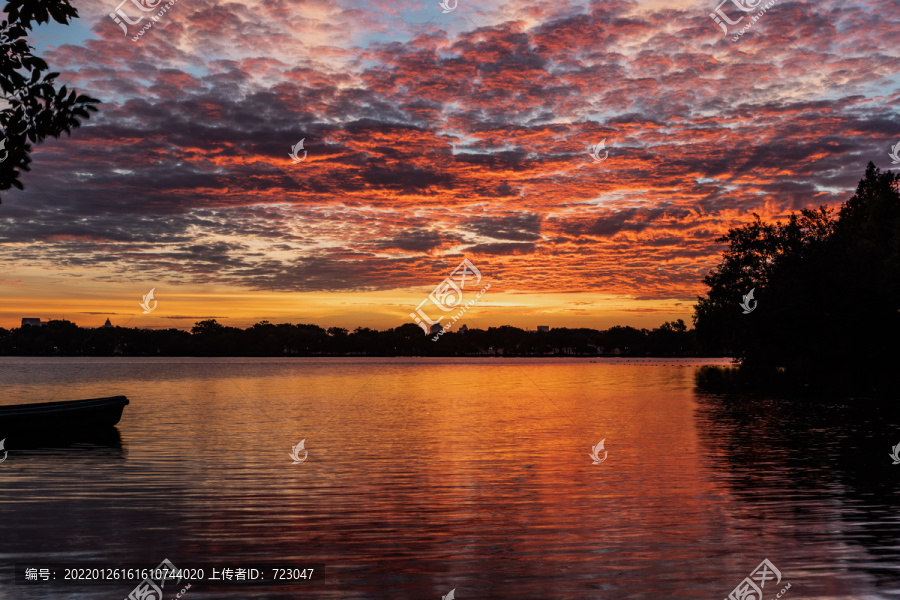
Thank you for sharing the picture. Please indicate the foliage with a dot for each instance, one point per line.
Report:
(33, 108)
(827, 291)
(211, 338)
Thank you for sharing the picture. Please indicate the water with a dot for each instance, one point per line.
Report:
(426, 475)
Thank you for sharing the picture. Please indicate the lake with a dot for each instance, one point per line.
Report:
(426, 475)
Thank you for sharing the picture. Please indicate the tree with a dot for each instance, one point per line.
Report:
(826, 291)
(207, 327)
(755, 253)
(35, 109)
(677, 326)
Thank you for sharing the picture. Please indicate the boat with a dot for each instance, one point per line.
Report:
(74, 416)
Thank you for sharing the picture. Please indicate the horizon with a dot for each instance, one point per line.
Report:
(349, 330)
(492, 311)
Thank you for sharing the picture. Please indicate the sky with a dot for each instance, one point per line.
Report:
(431, 137)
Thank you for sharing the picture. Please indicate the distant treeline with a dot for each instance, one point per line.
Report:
(210, 338)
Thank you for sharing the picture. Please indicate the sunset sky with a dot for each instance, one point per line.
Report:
(431, 138)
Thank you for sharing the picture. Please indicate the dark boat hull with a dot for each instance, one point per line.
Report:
(75, 416)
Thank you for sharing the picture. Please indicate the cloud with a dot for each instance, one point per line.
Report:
(429, 137)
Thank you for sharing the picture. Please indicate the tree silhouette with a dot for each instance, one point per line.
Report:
(755, 253)
(35, 109)
(208, 327)
(826, 288)
(211, 338)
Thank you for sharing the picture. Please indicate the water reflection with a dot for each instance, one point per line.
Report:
(428, 475)
(814, 479)
(102, 442)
